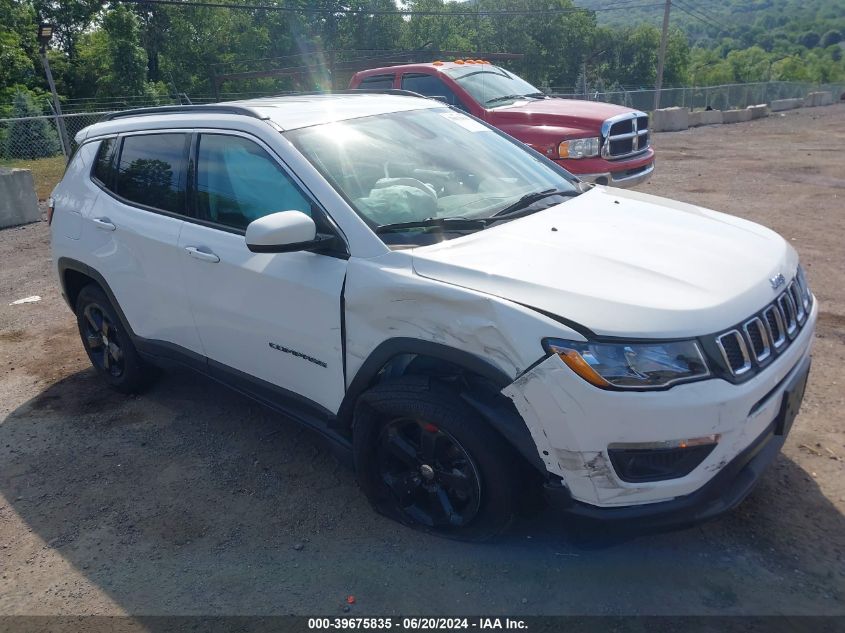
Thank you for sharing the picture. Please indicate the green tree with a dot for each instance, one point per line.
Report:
(376, 32)
(751, 64)
(32, 137)
(831, 38)
(69, 19)
(437, 32)
(810, 39)
(17, 48)
(126, 72)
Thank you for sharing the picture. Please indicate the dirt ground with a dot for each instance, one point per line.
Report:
(194, 500)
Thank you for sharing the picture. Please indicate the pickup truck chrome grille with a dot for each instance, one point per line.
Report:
(625, 135)
(766, 334)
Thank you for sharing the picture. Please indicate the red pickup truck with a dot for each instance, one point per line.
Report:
(599, 142)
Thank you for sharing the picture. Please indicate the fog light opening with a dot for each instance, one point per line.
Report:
(659, 461)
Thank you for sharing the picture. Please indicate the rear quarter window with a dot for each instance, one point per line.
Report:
(102, 170)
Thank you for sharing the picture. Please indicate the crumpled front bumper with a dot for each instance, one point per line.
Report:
(726, 490)
(572, 424)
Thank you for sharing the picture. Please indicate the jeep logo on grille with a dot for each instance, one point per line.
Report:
(777, 281)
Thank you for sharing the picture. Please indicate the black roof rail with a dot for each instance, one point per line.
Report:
(213, 108)
(384, 91)
(348, 91)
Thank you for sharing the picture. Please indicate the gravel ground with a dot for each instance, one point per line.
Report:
(194, 500)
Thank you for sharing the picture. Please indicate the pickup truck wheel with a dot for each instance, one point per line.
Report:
(425, 458)
(108, 346)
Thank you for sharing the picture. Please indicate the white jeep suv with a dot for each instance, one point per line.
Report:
(464, 316)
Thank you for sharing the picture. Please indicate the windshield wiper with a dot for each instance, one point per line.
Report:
(473, 224)
(502, 98)
(452, 224)
(536, 95)
(528, 199)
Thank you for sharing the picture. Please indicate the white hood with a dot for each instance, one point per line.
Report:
(621, 263)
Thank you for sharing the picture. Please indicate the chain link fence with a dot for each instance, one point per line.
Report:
(29, 138)
(36, 137)
(724, 97)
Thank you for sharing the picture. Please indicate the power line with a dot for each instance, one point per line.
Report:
(211, 4)
(703, 17)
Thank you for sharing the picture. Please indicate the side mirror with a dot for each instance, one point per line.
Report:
(284, 232)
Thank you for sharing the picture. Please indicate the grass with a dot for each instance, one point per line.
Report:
(46, 172)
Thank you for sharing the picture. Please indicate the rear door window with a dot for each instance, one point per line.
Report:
(151, 171)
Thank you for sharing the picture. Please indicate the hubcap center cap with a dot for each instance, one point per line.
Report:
(427, 472)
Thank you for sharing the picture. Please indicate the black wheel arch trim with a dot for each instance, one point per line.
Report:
(393, 347)
(65, 264)
(495, 408)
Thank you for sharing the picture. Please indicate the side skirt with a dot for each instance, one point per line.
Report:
(302, 410)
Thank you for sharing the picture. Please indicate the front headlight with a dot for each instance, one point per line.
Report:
(631, 365)
(579, 148)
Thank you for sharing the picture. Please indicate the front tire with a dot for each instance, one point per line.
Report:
(424, 457)
(107, 344)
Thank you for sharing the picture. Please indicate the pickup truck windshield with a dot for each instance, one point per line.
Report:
(432, 163)
(492, 86)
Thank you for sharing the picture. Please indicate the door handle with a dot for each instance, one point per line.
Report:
(104, 224)
(202, 255)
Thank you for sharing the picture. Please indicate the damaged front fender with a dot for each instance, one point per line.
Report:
(544, 411)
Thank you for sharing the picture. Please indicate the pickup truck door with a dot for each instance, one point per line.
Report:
(274, 318)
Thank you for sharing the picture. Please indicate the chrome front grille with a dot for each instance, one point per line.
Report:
(734, 351)
(765, 334)
(625, 135)
(775, 325)
(757, 333)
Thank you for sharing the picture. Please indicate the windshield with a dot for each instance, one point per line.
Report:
(434, 163)
(492, 86)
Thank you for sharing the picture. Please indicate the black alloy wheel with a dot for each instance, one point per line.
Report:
(108, 343)
(99, 335)
(426, 458)
(431, 476)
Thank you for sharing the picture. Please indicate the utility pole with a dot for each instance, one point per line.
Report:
(45, 32)
(584, 79)
(662, 56)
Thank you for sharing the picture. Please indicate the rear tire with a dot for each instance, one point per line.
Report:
(107, 344)
(425, 458)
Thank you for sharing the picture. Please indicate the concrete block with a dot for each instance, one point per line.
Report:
(736, 116)
(786, 104)
(669, 120)
(758, 111)
(18, 202)
(814, 99)
(705, 117)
